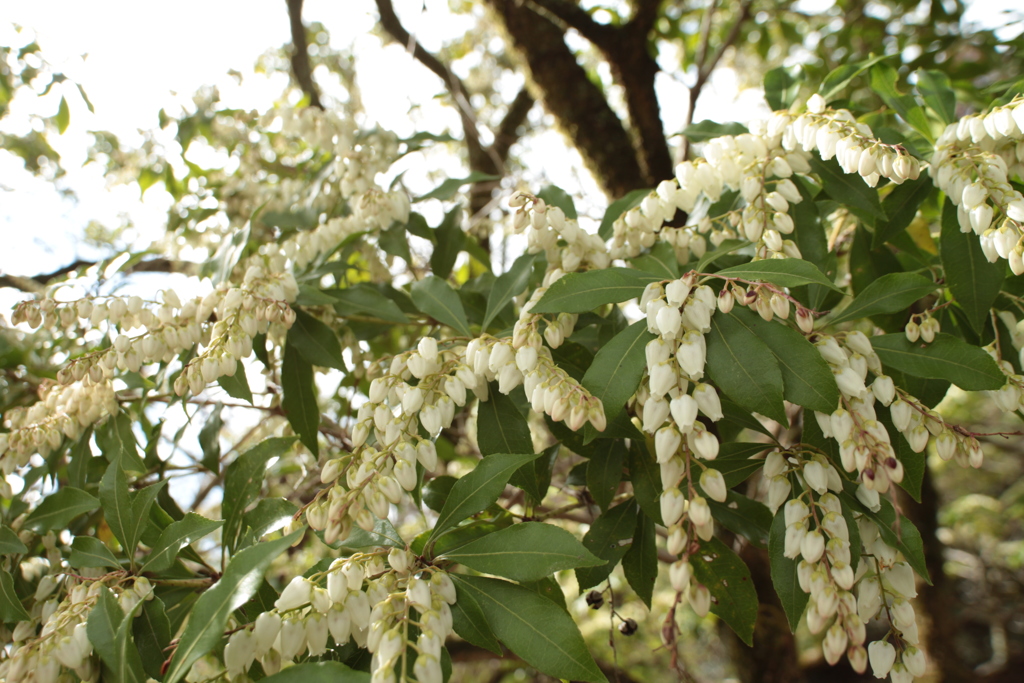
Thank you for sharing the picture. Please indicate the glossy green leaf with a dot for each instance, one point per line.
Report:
(749, 518)
(744, 368)
(236, 385)
(937, 93)
(734, 599)
(604, 472)
(299, 400)
(901, 206)
(243, 481)
(806, 378)
(10, 544)
(449, 242)
(883, 82)
(469, 622)
(209, 439)
(87, 551)
(383, 534)
(556, 196)
(478, 489)
(617, 369)
(364, 299)
(660, 261)
(616, 209)
(104, 619)
(784, 575)
(609, 538)
(11, 609)
(524, 552)
(128, 662)
(705, 130)
(449, 187)
(151, 630)
(974, 282)
(270, 514)
(645, 475)
(836, 81)
(501, 428)
(317, 342)
(210, 614)
(640, 563)
(508, 285)
(436, 298)
(126, 514)
(888, 294)
(535, 477)
(176, 536)
(948, 358)
(117, 443)
(724, 249)
(583, 292)
(781, 87)
(848, 189)
(785, 272)
(533, 627)
(58, 509)
(319, 672)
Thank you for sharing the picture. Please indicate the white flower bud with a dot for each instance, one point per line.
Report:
(700, 599)
(295, 594)
(680, 572)
(673, 504)
(812, 546)
(881, 654)
(713, 484)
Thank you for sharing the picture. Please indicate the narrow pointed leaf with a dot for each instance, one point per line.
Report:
(243, 481)
(57, 510)
(206, 623)
(725, 575)
(364, 299)
(87, 551)
(888, 294)
(524, 552)
(176, 536)
(948, 358)
(533, 627)
(469, 622)
(661, 261)
(785, 272)
(743, 367)
(974, 282)
(152, 633)
(508, 285)
(848, 189)
(299, 400)
(645, 475)
(616, 371)
(583, 292)
(604, 472)
(478, 489)
(784, 576)
(616, 209)
(317, 342)
(319, 672)
(609, 538)
(901, 207)
(117, 443)
(436, 298)
(640, 563)
(11, 609)
(10, 544)
(128, 667)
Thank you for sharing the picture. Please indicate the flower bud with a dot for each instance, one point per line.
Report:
(882, 655)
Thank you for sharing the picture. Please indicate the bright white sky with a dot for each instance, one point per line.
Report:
(138, 57)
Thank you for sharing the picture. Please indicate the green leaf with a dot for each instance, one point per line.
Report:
(617, 208)
(319, 672)
(299, 400)
(101, 627)
(907, 540)
(806, 378)
(315, 341)
(236, 385)
(784, 575)
(837, 80)
(383, 534)
(524, 552)
(87, 551)
(127, 514)
(209, 616)
(508, 285)
(436, 298)
(785, 272)
(63, 117)
(660, 261)
(364, 299)
(848, 189)
(117, 442)
(583, 292)
(883, 82)
(640, 563)
(617, 369)
(605, 471)
(152, 633)
(609, 538)
(556, 196)
(10, 544)
(914, 464)
(501, 428)
(901, 207)
(176, 536)
(744, 516)
(744, 368)
(734, 599)
(937, 92)
(974, 282)
(58, 509)
(724, 249)
(535, 477)
(533, 627)
(394, 241)
(705, 130)
(479, 489)
(781, 87)
(450, 240)
(645, 475)
(437, 490)
(243, 481)
(11, 609)
(449, 187)
(270, 514)
(128, 667)
(469, 622)
(209, 439)
(947, 358)
(888, 294)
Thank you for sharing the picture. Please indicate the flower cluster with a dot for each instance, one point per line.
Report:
(546, 226)
(973, 161)
(362, 600)
(526, 330)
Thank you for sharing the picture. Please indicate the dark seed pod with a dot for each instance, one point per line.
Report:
(628, 627)
(595, 600)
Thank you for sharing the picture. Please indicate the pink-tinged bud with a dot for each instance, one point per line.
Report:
(804, 320)
(725, 300)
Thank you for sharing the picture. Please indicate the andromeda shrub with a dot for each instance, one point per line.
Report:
(751, 352)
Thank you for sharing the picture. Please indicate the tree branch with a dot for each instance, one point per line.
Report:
(575, 17)
(645, 13)
(37, 283)
(300, 56)
(508, 130)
